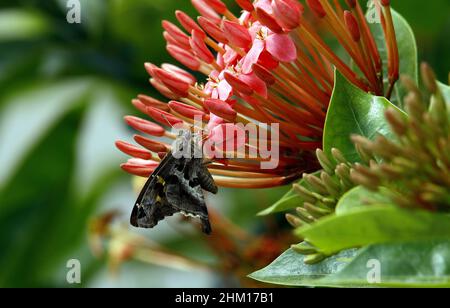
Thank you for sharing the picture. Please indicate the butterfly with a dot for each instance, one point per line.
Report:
(176, 186)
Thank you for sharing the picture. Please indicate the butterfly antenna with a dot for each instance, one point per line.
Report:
(166, 119)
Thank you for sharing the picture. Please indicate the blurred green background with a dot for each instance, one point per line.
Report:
(64, 89)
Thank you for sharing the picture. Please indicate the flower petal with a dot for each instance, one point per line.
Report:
(214, 121)
(224, 90)
(266, 60)
(255, 83)
(252, 56)
(228, 137)
(281, 47)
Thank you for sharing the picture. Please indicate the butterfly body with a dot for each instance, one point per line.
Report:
(175, 186)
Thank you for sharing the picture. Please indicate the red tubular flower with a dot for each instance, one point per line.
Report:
(268, 65)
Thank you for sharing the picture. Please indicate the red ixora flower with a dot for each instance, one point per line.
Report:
(268, 65)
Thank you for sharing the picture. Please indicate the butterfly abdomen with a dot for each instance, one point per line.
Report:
(206, 181)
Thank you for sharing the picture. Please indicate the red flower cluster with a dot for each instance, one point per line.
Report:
(268, 65)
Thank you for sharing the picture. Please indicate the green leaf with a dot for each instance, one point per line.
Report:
(67, 167)
(290, 270)
(92, 14)
(358, 197)
(445, 89)
(289, 201)
(30, 114)
(17, 24)
(407, 48)
(372, 225)
(101, 127)
(412, 264)
(41, 203)
(352, 111)
(419, 264)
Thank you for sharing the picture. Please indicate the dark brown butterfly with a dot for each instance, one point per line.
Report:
(176, 186)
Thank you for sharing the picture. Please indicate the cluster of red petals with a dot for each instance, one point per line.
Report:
(267, 65)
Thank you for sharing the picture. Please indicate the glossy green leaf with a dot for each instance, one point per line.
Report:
(372, 225)
(407, 48)
(418, 264)
(352, 111)
(358, 197)
(412, 264)
(289, 269)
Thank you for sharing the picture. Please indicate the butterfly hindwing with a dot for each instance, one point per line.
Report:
(151, 205)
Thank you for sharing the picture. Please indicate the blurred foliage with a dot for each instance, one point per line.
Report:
(64, 90)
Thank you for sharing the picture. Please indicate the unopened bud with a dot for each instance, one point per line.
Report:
(305, 194)
(331, 184)
(397, 121)
(325, 162)
(315, 211)
(294, 221)
(315, 183)
(338, 156)
(304, 248)
(429, 78)
(314, 259)
(305, 215)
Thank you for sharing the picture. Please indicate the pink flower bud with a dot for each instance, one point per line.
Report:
(268, 21)
(139, 167)
(163, 89)
(287, 13)
(351, 3)
(163, 117)
(152, 102)
(187, 111)
(180, 73)
(172, 82)
(205, 10)
(237, 34)
(213, 30)
(237, 84)
(221, 109)
(176, 33)
(246, 5)
(171, 41)
(317, 8)
(133, 150)
(139, 105)
(187, 22)
(217, 6)
(152, 145)
(199, 47)
(145, 126)
(184, 57)
(352, 26)
(149, 67)
(263, 74)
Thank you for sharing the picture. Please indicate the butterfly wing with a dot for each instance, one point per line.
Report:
(175, 186)
(183, 192)
(151, 206)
